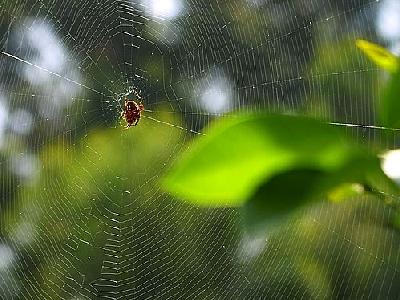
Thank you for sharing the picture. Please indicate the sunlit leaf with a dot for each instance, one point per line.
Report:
(379, 55)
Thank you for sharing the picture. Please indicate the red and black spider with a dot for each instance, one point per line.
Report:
(132, 112)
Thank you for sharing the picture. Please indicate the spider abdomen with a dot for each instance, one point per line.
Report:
(132, 112)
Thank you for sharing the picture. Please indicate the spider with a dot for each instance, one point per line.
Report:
(132, 112)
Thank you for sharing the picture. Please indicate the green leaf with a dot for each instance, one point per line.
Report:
(345, 191)
(278, 198)
(379, 55)
(390, 104)
(241, 153)
(282, 195)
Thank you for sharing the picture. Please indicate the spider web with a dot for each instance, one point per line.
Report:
(83, 216)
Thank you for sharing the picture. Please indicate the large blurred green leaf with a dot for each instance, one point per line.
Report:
(242, 153)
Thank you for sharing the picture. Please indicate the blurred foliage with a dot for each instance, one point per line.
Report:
(88, 217)
(89, 203)
(271, 165)
(97, 206)
(343, 244)
(331, 72)
(389, 107)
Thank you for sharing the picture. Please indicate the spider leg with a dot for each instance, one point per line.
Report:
(137, 120)
(121, 119)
